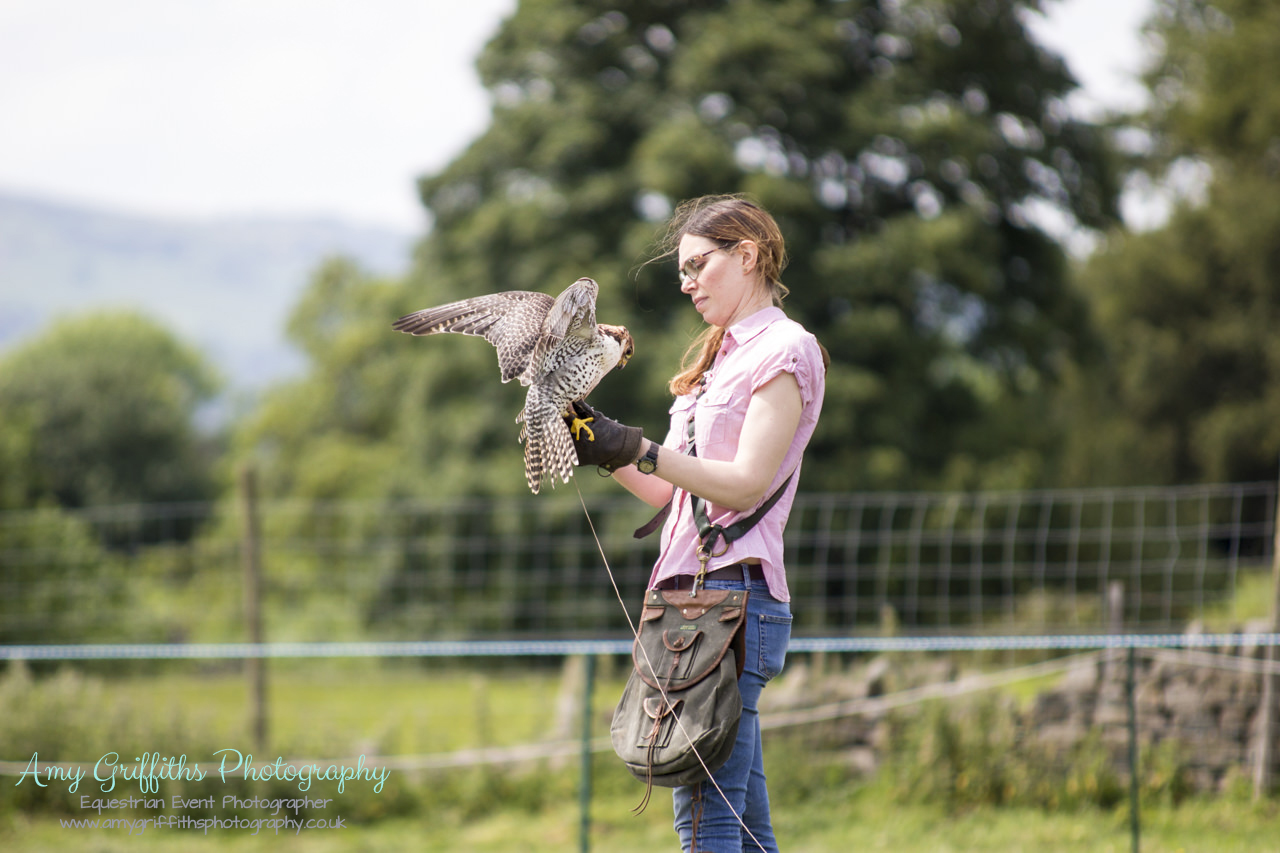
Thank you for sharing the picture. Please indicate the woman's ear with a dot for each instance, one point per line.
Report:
(750, 255)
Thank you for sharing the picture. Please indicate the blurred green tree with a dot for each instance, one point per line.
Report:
(1190, 389)
(919, 156)
(100, 409)
(332, 433)
(915, 154)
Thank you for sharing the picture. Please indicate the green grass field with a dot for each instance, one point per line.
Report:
(340, 709)
(836, 824)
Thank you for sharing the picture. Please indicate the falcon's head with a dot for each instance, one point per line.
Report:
(627, 346)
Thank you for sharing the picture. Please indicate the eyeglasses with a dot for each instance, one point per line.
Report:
(694, 265)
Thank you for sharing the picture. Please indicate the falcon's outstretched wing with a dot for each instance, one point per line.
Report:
(512, 321)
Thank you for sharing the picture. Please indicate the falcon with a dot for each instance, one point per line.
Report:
(553, 346)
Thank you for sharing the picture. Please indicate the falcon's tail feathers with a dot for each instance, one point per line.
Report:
(548, 450)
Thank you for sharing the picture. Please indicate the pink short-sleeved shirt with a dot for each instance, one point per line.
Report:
(755, 351)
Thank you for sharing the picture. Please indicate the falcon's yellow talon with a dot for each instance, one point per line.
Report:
(580, 424)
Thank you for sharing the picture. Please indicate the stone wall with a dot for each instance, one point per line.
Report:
(1207, 703)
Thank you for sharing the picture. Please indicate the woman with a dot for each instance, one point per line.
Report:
(752, 386)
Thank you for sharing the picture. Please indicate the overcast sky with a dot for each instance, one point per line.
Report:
(311, 107)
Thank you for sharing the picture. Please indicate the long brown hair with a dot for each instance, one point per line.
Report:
(727, 219)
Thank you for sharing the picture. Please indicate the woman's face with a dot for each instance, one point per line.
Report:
(723, 284)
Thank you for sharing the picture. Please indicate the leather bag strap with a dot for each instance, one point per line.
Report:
(708, 533)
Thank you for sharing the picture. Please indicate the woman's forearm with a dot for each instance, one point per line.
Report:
(742, 482)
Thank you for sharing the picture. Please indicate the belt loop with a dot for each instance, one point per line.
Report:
(746, 574)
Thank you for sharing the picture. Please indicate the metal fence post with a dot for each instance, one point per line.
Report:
(251, 561)
(1264, 757)
(1135, 826)
(584, 793)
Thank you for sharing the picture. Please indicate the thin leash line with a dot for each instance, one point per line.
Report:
(661, 690)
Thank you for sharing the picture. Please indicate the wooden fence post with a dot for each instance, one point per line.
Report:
(1115, 627)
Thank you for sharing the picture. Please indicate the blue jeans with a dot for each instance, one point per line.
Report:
(768, 631)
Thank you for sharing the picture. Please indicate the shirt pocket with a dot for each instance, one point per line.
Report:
(719, 423)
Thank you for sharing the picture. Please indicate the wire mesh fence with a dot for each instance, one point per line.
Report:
(1034, 648)
(858, 564)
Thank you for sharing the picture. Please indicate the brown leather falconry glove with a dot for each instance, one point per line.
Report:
(602, 441)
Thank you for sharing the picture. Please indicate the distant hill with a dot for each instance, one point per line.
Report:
(224, 285)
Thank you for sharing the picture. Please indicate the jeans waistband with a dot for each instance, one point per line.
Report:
(736, 572)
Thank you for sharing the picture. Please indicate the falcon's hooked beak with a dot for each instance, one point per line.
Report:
(622, 336)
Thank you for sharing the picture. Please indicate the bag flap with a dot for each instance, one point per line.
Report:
(664, 642)
(696, 606)
(651, 613)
